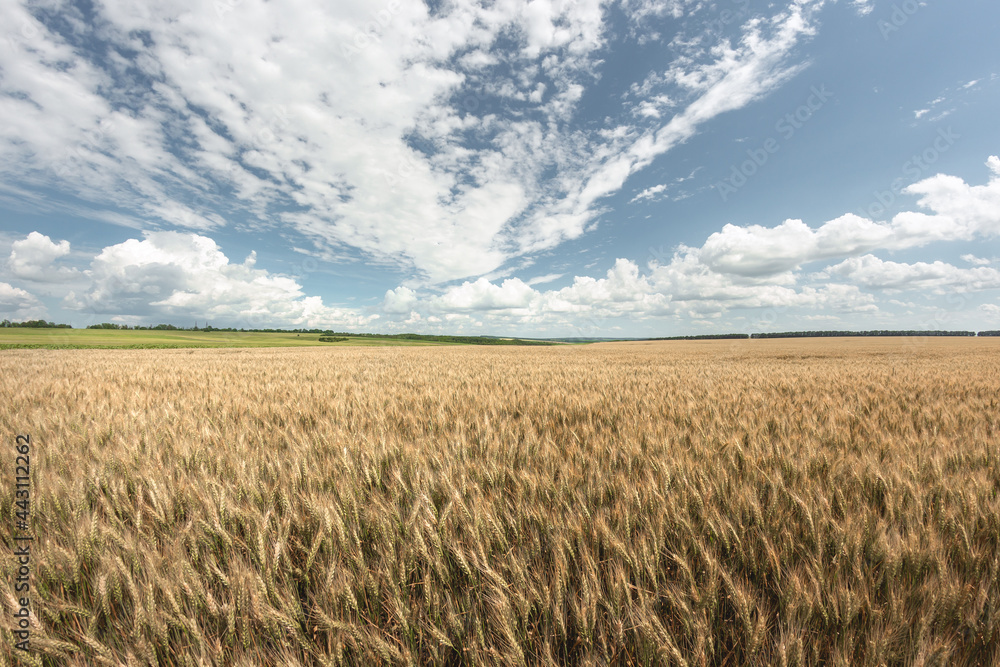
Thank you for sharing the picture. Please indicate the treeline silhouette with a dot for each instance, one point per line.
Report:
(706, 337)
(868, 334)
(466, 340)
(34, 324)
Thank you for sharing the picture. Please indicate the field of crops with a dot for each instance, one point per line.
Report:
(14, 338)
(766, 502)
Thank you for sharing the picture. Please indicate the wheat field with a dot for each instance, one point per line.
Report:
(782, 502)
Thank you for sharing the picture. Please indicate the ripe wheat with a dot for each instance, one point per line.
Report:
(714, 503)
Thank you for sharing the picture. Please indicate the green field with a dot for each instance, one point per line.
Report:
(111, 338)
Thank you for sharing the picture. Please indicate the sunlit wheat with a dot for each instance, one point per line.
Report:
(828, 502)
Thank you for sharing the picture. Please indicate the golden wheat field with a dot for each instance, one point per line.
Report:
(763, 502)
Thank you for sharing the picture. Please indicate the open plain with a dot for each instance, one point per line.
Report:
(752, 502)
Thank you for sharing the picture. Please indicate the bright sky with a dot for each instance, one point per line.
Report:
(542, 168)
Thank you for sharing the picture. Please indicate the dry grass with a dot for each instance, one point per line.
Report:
(720, 503)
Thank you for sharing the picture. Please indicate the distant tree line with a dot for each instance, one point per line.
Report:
(838, 334)
(136, 327)
(34, 324)
(707, 337)
(465, 340)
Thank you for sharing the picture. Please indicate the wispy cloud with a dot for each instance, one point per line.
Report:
(354, 126)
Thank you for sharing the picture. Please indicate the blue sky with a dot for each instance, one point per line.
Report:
(543, 168)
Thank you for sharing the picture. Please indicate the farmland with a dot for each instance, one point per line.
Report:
(786, 502)
(68, 339)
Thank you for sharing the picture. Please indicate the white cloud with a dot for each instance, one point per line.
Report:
(958, 212)
(547, 278)
(176, 277)
(938, 277)
(311, 108)
(978, 261)
(31, 258)
(18, 305)
(729, 79)
(757, 267)
(621, 288)
(399, 300)
(649, 192)
(641, 10)
(757, 250)
(356, 125)
(863, 7)
(484, 295)
(683, 287)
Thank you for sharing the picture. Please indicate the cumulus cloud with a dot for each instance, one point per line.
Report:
(484, 295)
(177, 277)
(938, 277)
(31, 258)
(957, 212)
(399, 300)
(756, 250)
(682, 287)
(18, 305)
